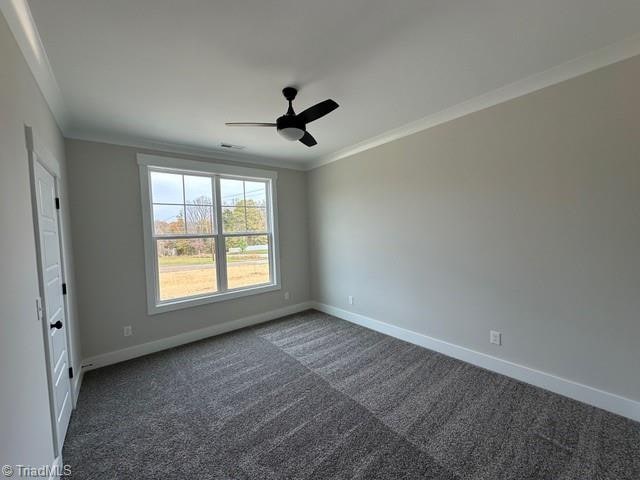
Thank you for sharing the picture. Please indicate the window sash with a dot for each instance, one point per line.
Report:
(271, 256)
(186, 297)
(188, 236)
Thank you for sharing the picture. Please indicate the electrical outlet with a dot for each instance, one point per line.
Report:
(495, 337)
(128, 331)
(350, 298)
(287, 295)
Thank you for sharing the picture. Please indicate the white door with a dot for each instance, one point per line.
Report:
(53, 301)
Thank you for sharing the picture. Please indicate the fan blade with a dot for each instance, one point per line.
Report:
(308, 140)
(317, 111)
(249, 124)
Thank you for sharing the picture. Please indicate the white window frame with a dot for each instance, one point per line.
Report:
(148, 163)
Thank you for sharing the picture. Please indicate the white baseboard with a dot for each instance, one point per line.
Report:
(188, 337)
(56, 468)
(583, 393)
(75, 386)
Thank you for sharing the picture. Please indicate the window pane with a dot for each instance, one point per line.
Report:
(234, 219)
(166, 188)
(247, 260)
(256, 219)
(197, 190)
(255, 193)
(199, 219)
(186, 267)
(231, 192)
(168, 220)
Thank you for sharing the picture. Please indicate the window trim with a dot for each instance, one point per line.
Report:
(146, 163)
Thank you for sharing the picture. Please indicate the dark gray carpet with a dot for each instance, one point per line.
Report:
(311, 396)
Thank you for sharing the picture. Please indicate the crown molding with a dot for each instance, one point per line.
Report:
(22, 25)
(20, 21)
(617, 52)
(181, 149)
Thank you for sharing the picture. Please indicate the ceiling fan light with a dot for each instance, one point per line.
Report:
(291, 133)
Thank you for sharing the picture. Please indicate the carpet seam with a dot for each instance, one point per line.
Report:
(379, 420)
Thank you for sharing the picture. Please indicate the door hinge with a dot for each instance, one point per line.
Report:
(39, 308)
(57, 203)
(70, 372)
(64, 288)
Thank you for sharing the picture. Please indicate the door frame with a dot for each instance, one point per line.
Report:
(37, 153)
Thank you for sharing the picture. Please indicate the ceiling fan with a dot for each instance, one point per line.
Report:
(293, 126)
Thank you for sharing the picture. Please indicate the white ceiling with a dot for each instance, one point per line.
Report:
(174, 71)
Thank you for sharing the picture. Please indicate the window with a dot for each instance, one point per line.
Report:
(210, 232)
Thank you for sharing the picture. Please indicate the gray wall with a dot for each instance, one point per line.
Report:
(109, 252)
(24, 409)
(523, 218)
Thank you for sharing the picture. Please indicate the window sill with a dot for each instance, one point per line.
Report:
(179, 304)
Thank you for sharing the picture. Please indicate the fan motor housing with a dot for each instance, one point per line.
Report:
(289, 121)
(290, 127)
